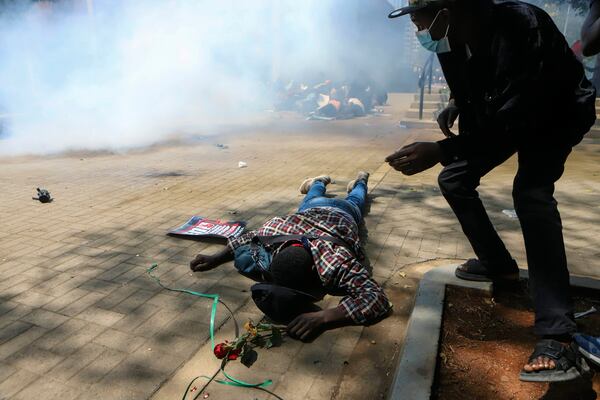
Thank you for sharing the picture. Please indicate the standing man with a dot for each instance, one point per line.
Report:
(517, 88)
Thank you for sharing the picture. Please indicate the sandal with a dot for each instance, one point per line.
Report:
(474, 270)
(569, 364)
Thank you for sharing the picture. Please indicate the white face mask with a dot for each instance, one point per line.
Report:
(438, 46)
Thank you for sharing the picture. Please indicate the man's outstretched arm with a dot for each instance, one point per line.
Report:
(204, 262)
(308, 325)
(364, 303)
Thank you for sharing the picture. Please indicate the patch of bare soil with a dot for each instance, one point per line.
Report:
(486, 341)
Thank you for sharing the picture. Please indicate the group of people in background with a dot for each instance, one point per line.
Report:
(329, 100)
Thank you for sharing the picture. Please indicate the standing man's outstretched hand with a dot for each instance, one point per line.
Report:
(415, 158)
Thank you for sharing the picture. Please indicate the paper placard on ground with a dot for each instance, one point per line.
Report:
(199, 227)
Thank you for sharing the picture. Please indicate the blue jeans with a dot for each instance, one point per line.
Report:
(353, 205)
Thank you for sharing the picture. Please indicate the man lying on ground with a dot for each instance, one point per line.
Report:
(301, 257)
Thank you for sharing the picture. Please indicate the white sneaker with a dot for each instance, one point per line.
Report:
(307, 184)
(361, 176)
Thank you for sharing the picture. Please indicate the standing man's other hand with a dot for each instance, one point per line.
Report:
(447, 118)
(415, 158)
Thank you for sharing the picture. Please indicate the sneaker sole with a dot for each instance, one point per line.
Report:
(508, 278)
(307, 184)
(593, 358)
(471, 277)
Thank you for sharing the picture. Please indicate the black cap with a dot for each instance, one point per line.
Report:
(414, 5)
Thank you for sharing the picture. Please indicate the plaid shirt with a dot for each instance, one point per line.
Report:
(337, 266)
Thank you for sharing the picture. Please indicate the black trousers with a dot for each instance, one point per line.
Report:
(533, 195)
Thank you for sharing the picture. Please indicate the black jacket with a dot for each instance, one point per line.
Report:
(523, 88)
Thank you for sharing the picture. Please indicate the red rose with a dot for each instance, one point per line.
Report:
(221, 351)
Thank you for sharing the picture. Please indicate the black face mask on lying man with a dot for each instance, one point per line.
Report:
(282, 304)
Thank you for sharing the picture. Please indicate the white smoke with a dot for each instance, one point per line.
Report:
(132, 72)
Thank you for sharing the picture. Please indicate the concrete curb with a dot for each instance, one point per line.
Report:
(416, 367)
(415, 372)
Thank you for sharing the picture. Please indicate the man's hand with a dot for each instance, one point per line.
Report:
(447, 118)
(309, 325)
(415, 158)
(306, 326)
(203, 263)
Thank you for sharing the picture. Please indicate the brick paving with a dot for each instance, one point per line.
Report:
(79, 319)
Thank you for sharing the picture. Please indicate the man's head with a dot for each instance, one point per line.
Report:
(457, 19)
(295, 286)
(435, 19)
(293, 267)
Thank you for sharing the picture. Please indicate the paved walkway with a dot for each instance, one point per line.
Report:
(79, 319)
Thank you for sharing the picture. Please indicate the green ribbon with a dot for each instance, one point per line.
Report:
(237, 382)
(222, 382)
(215, 302)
